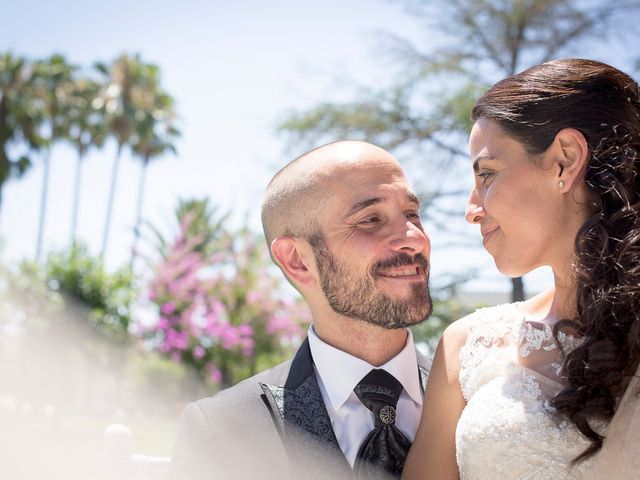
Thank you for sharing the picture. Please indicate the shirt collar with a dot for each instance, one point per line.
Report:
(340, 371)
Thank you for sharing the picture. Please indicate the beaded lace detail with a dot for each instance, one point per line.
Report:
(508, 430)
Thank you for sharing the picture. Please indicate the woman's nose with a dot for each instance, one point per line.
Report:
(474, 212)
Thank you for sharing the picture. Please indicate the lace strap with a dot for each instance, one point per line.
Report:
(488, 328)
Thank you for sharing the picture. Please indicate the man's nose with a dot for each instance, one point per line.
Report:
(411, 239)
(474, 213)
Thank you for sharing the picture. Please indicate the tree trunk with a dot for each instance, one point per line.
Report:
(517, 289)
(136, 228)
(76, 198)
(112, 192)
(43, 202)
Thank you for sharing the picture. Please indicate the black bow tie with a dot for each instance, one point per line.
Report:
(384, 450)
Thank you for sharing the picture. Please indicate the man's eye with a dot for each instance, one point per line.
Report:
(370, 221)
(413, 216)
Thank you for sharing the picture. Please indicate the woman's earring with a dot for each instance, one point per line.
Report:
(561, 184)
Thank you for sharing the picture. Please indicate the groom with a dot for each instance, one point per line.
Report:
(344, 227)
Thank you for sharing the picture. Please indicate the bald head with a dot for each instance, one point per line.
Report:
(295, 196)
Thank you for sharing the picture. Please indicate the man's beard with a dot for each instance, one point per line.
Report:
(358, 298)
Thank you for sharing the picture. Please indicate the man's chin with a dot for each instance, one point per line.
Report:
(402, 291)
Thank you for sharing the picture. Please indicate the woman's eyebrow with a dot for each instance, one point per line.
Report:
(482, 156)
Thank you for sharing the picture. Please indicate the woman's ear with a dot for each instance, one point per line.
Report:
(291, 256)
(571, 158)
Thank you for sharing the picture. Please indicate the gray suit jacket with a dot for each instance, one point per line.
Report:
(274, 424)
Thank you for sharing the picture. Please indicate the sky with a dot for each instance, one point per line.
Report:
(235, 69)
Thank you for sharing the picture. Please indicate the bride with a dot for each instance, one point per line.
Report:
(533, 390)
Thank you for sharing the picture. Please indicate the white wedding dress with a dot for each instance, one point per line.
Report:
(508, 372)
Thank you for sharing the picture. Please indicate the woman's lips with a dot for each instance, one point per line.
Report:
(486, 235)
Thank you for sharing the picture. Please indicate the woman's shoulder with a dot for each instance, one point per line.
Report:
(469, 340)
(486, 321)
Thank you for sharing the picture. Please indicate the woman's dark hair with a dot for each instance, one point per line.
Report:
(604, 104)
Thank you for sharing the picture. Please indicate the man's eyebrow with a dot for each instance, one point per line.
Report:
(476, 162)
(355, 208)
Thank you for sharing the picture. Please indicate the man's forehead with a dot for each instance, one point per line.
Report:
(354, 192)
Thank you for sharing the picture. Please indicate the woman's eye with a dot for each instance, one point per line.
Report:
(485, 176)
(413, 216)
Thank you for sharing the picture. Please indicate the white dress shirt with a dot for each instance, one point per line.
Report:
(339, 372)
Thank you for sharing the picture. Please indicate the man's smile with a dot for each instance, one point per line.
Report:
(406, 272)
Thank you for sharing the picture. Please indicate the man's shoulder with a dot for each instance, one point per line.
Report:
(247, 390)
(214, 432)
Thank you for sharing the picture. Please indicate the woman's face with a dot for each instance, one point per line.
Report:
(516, 202)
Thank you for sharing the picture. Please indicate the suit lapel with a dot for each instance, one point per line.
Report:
(424, 367)
(301, 417)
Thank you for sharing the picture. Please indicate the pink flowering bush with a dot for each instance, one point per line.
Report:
(219, 302)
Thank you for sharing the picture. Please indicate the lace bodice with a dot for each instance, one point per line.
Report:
(509, 370)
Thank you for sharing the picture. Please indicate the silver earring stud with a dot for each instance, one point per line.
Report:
(561, 184)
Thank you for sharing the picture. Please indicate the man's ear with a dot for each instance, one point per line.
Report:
(290, 254)
(571, 158)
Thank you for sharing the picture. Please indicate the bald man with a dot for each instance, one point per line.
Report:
(343, 226)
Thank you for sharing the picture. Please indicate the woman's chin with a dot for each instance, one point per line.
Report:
(508, 269)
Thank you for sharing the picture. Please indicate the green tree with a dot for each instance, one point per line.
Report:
(19, 118)
(128, 81)
(53, 81)
(471, 44)
(86, 129)
(204, 228)
(154, 136)
(82, 278)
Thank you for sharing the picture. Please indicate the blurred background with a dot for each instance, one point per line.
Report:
(136, 140)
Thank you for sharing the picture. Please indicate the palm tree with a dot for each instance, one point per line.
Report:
(86, 129)
(53, 81)
(154, 136)
(128, 80)
(19, 118)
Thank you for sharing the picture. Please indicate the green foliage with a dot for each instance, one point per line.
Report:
(85, 122)
(19, 117)
(82, 278)
(425, 114)
(47, 100)
(53, 80)
(25, 299)
(446, 310)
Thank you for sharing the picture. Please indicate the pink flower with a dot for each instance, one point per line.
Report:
(163, 324)
(281, 325)
(213, 373)
(229, 337)
(168, 308)
(175, 340)
(198, 352)
(254, 298)
(245, 329)
(247, 346)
